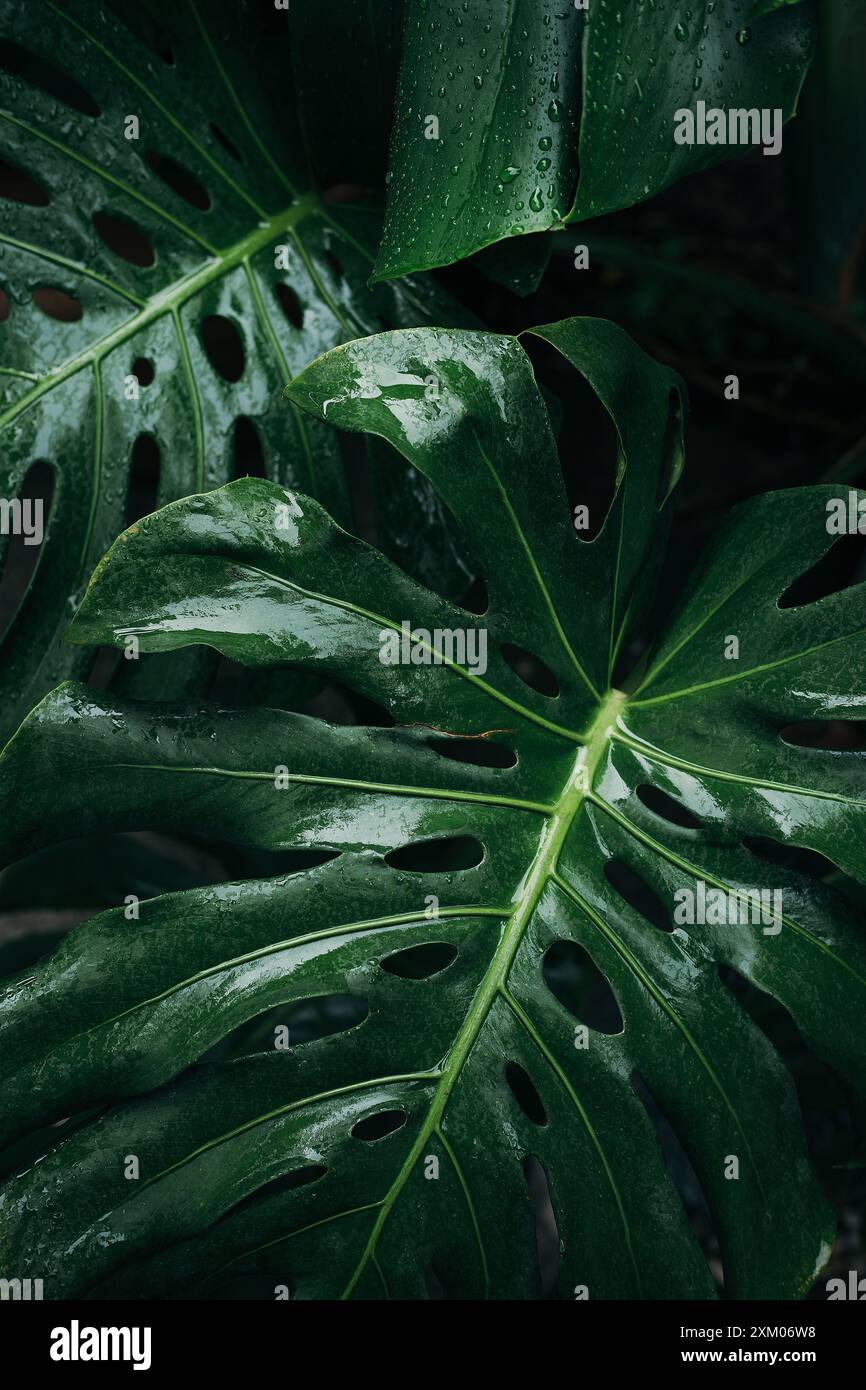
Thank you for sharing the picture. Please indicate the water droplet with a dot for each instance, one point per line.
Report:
(680, 31)
(508, 174)
(554, 110)
(743, 36)
(543, 165)
(536, 202)
(545, 142)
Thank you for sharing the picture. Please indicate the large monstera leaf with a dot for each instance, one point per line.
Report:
(161, 154)
(346, 1166)
(514, 116)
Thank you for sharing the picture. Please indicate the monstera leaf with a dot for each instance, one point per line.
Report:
(501, 102)
(522, 814)
(166, 265)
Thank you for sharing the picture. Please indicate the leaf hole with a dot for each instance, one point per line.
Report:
(791, 857)
(843, 564)
(573, 978)
(667, 807)
(524, 1091)
(479, 752)
(437, 856)
(301, 1177)
(546, 1230)
(476, 599)
(378, 1126)
(420, 962)
(531, 670)
(339, 704)
(143, 486)
(836, 736)
(248, 453)
(22, 554)
(57, 304)
(178, 179)
(228, 144)
(334, 262)
(5, 305)
(685, 1180)
(54, 82)
(124, 239)
(638, 894)
(143, 370)
(304, 1021)
(290, 304)
(224, 346)
(18, 187)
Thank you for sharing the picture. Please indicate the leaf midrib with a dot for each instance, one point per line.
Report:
(540, 872)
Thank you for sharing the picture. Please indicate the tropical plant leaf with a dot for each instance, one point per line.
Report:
(491, 837)
(525, 93)
(148, 267)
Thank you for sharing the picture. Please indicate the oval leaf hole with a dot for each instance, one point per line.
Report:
(530, 669)
(377, 1126)
(290, 304)
(638, 894)
(523, 1089)
(435, 856)
(420, 962)
(480, 752)
(667, 807)
(546, 1230)
(57, 304)
(573, 978)
(124, 239)
(249, 457)
(836, 736)
(18, 187)
(143, 369)
(802, 861)
(335, 263)
(224, 346)
(301, 1177)
(4, 306)
(141, 492)
(179, 180)
(53, 81)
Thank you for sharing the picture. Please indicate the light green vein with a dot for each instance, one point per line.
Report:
(473, 1215)
(354, 784)
(536, 572)
(697, 873)
(668, 760)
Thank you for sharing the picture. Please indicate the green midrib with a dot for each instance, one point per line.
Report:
(169, 300)
(576, 789)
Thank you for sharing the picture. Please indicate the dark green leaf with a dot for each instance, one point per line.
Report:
(267, 1170)
(172, 318)
(524, 93)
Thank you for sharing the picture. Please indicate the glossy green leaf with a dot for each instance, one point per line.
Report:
(491, 831)
(160, 159)
(499, 104)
